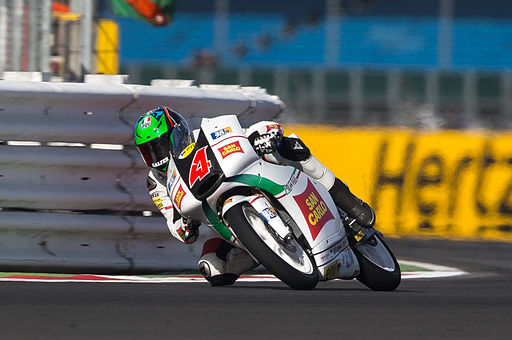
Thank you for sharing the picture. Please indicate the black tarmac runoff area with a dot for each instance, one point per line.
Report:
(477, 305)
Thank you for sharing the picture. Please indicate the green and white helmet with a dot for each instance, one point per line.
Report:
(161, 133)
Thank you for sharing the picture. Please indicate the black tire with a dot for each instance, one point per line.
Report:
(375, 277)
(273, 263)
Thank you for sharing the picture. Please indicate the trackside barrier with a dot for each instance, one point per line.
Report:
(452, 184)
(71, 180)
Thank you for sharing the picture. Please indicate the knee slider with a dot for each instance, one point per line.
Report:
(213, 270)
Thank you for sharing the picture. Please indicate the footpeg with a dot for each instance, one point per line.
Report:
(358, 234)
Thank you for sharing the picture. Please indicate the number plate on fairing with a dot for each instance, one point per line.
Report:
(199, 169)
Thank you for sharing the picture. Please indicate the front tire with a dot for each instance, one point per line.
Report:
(379, 267)
(250, 228)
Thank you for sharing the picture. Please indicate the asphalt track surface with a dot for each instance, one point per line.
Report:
(473, 306)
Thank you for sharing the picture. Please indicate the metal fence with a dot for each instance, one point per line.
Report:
(25, 35)
(35, 38)
(364, 97)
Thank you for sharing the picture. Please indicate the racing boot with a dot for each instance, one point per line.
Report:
(221, 263)
(292, 148)
(352, 205)
(340, 193)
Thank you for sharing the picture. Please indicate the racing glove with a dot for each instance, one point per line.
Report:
(267, 142)
(189, 231)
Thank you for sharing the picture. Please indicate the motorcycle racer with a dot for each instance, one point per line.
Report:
(162, 133)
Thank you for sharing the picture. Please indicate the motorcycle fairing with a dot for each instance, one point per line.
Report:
(230, 145)
(305, 199)
(334, 258)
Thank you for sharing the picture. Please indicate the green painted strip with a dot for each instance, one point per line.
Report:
(259, 182)
(409, 268)
(216, 222)
(7, 274)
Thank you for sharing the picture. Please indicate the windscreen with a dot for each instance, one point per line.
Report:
(181, 137)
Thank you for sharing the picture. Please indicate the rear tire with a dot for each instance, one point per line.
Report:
(241, 225)
(372, 275)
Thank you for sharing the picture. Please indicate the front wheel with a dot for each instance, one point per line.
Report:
(378, 265)
(290, 263)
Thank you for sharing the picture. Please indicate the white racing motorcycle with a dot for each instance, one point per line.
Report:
(285, 219)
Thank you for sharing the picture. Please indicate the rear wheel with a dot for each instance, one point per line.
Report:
(287, 261)
(378, 265)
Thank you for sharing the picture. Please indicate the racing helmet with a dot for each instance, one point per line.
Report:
(161, 133)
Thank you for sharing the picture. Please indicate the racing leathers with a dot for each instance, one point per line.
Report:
(221, 263)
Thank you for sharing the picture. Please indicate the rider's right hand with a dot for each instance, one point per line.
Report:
(266, 143)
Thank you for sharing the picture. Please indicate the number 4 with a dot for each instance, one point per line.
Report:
(200, 166)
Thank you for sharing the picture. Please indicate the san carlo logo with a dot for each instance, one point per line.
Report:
(146, 122)
(178, 198)
(230, 149)
(274, 127)
(314, 209)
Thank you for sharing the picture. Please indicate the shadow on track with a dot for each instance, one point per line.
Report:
(321, 289)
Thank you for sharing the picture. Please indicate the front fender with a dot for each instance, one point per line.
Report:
(264, 209)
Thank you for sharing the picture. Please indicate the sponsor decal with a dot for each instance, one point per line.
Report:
(332, 271)
(222, 132)
(291, 182)
(314, 209)
(333, 251)
(297, 146)
(268, 214)
(230, 149)
(171, 180)
(169, 187)
(187, 151)
(227, 202)
(348, 259)
(181, 233)
(158, 201)
(274, 126)
(160, 162)
(146, 122)
(178, 198)
(359, 236)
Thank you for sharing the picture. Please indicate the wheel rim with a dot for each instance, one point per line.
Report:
(298, 259)
(377, 254)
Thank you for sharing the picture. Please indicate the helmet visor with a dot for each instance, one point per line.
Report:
(156, 152)
(181, 137)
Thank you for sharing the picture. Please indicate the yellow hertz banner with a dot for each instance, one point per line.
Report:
(445, 183)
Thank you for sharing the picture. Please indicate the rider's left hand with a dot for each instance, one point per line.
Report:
(189, 231)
